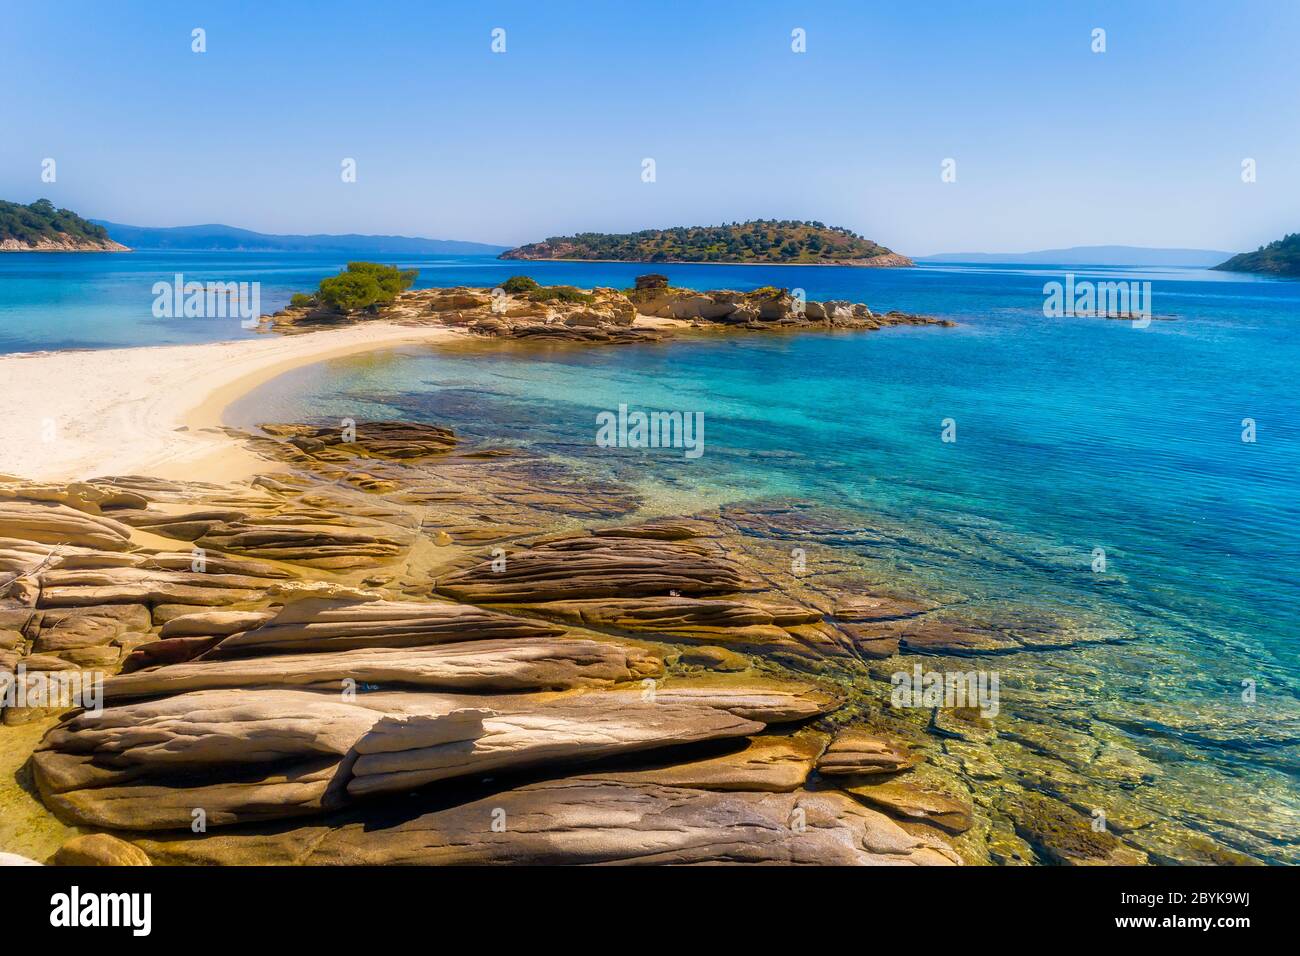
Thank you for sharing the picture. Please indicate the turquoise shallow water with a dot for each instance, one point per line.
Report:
(1072, 434)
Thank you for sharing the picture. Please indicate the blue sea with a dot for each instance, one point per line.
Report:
(1072, 435)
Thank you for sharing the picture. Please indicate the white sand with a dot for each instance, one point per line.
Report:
(78, 414)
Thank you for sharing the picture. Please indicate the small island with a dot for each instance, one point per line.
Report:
(522, 308)
(758, 242)
(1279, 258)
(41, 227)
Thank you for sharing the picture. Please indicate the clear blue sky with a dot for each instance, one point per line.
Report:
(1055, 145)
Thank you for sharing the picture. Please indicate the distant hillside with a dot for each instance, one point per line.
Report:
(42, 228)
(768, 241)
(1091, 256)
(218, 238)
(1279, 258)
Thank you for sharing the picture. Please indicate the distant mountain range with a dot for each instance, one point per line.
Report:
(219, 238)
(1092, 256)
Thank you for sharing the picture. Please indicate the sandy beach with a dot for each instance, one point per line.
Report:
(153, 410)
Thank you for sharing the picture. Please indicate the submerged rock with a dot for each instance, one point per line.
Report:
(1061, 835)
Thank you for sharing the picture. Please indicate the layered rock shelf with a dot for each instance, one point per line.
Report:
(400, 648)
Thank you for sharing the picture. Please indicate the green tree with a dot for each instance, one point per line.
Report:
(365, 285)
(519, 284)
(349, 291)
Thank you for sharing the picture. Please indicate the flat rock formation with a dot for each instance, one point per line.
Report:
(597, 567)
(595, 820)
(330, 663)
(498, 665)
(323, 624)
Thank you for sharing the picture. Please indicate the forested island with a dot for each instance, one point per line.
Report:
(40, 227)
(1279, 258)
(760, 241)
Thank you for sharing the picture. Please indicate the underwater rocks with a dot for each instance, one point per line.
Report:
(380, 439)
(1063, 836)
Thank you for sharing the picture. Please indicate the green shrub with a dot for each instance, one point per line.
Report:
(301, 300)
(365, 285)
(517, 284)
(564, 293)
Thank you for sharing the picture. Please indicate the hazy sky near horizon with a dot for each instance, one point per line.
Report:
(1055, 145)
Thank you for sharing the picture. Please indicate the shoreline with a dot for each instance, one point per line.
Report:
(158, 410)
(373, 510)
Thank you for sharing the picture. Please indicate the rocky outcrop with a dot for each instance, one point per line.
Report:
(596, 567)
(478, 666)
(597, 820)
(403, 441)
(68, 588)
(912, 802)
(333, 543)
(61, 242)
(766, 765)
(608, 316)
(732, 620)
(404, 753)
(99, 849)
(854, 752)
(665, 690)
(582, 821)
(246, 755)
(50, 523)
(335, 625)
